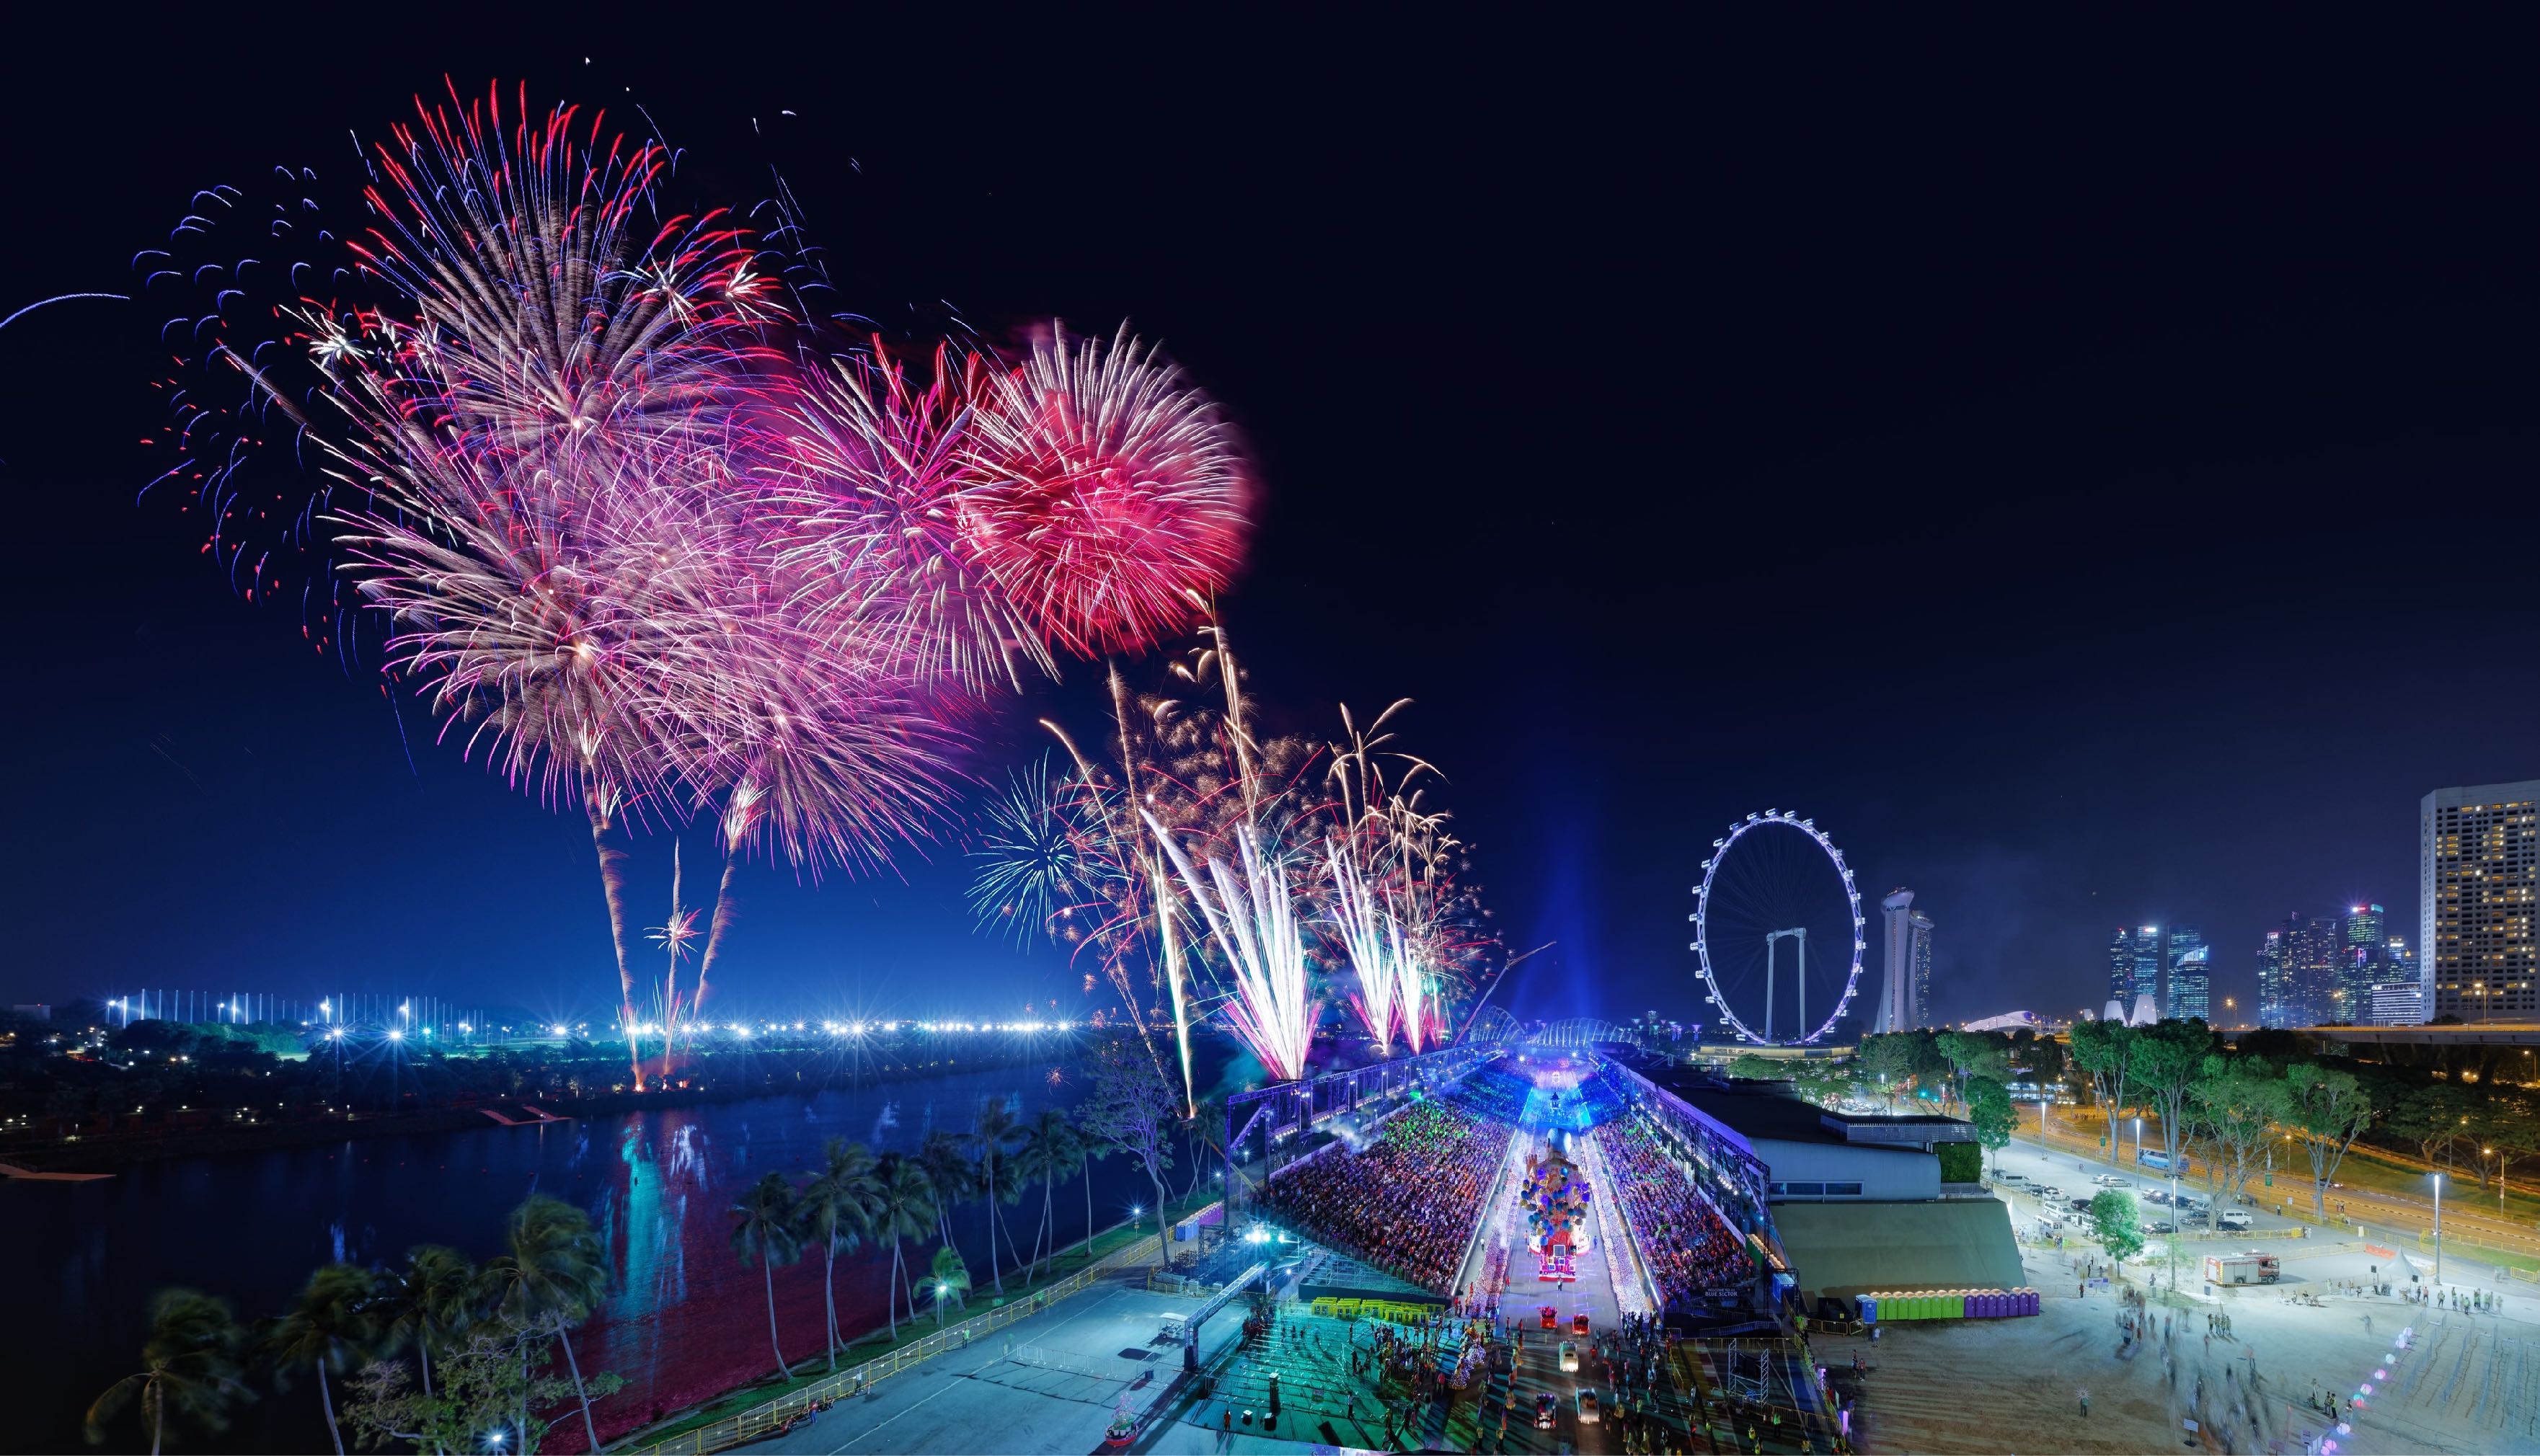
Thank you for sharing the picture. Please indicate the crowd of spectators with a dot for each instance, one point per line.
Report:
(1685, 1244)
(1496, 1092)
(1406, 1205)
(1597, 1102)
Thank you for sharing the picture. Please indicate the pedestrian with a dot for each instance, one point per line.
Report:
(2086, 1403)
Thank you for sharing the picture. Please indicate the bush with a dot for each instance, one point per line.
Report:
(1960, 1162)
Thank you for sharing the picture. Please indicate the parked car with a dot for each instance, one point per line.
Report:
(2159, 1225)
(1543, 1411)
(2079, 1206)
(1587, 1412)
(2157, 1196)
(2049, 1192)
(2234, 1218)
(2012, 1179)
(1569, 1359)
(2194, 1218)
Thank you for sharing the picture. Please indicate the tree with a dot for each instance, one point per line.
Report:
(952, 1280)
(1891, 1061)
(763, 1224)
(1048, 1147)
(903, 1207)
(550, 1276)
(991, 1128)
(837, 1211)
(189, 1367)
(1989, 1108)
(1088, 1149)
(2433, 1117)
(2101, 1049)
(1130, 1110)
(2237, 1101)
(1973, 1053)
(328, 1329)
(951, 1178)
(1750, 1067)
(484, 1384)
(2330, 1108)
(425, 1304)
(2118, 1222)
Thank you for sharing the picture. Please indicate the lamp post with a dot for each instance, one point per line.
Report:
(2439, 1231)
(2137, 1143)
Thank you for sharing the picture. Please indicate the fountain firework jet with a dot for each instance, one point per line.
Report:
(1373, 943)
(1251, 917)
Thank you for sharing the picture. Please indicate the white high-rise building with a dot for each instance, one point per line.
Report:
(1905, 985)
(2478, 880)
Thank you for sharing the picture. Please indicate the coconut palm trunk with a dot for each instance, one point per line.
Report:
(590, 1432)
(767, 1271)
(327, 1398)
(1087, 1162)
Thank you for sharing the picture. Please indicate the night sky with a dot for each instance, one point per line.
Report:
(2092, 472)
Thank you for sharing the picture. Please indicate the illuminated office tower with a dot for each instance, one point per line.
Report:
(2191, 986)
(2478, 872)
(2320, 968)
(2277, 1003)
(2185, 958)
(2121, 966)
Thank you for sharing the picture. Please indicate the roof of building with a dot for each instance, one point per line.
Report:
(1767, 1109)
(1841, 1249)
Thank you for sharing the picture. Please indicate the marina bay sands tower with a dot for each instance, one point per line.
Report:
(1905, 987)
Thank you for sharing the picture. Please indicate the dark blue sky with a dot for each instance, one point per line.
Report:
(2091, 475)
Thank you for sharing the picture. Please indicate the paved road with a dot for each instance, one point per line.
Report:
(2075, 1134)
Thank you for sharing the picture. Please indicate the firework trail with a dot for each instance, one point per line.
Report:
(1372, 942)
(1252, 916)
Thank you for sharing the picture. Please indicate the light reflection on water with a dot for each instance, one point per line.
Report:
(683, 1319)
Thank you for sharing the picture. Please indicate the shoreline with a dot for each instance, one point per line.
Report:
(104, 1155)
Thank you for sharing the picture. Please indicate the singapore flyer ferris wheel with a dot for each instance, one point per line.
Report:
(1777, 929)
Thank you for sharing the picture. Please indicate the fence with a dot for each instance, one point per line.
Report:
(763, 1421)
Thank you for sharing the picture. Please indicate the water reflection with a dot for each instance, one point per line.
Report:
(683, 1319)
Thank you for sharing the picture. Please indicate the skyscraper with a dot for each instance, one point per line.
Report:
(1905, 990)
(2279, 1004)
(2148, 961)
(2185, 956)
(2191, 987)
(2319, 964)
(2121, 966)
(2478, 875)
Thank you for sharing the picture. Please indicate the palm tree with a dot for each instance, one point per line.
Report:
(952, 1279)
(328, 1328)
(550, 1276)
(990, 1131)
(949, 1176)
(836, 1211)
(425, 1304)
(188, 1368)
(763, 1231)
(1049, 1146)
(1088, 1149)
(903, 1205)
